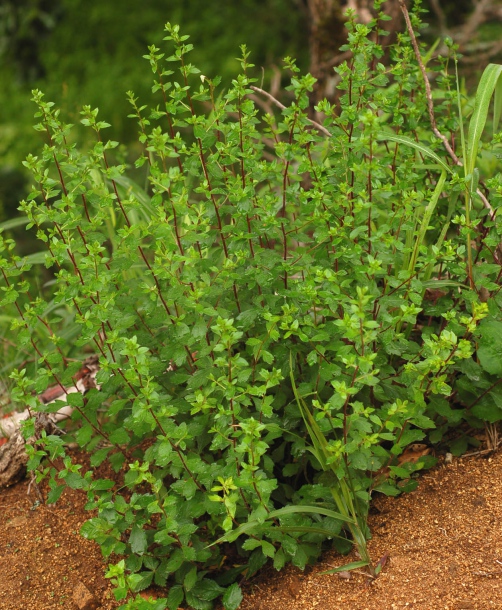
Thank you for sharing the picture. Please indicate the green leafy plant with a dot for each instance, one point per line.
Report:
(280, 311)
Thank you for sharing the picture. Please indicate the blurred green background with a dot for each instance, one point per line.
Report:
(90, 52)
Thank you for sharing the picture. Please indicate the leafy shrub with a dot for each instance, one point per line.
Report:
(280, 311)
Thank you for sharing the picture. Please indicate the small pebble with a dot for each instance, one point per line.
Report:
(83, 598)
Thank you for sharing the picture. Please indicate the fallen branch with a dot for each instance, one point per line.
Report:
(317, 125)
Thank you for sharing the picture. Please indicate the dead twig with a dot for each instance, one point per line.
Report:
(436, 7)
(336, 60)
(269, 96)
(480, 14)
(430, 104)
(482, 452)
(428, 91)
(493, 441)
(494, 48)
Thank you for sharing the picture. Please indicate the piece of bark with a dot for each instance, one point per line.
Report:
(13, 456)
(13, 460)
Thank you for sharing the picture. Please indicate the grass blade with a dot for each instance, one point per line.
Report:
(486, 89)
(429, 210)
(425, 150)
(281, 512)
(317, 510)
(347, 567)
(13, 223)
(497, 105)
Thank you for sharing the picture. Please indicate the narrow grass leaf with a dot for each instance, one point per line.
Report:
(497, 105)
(425, 150)
(484, 93)
(281, 512)
(443, 284)
(19, 221)
(429, 210)
(318, 510)
(346, 568)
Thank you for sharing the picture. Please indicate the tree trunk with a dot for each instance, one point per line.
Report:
(328, 33)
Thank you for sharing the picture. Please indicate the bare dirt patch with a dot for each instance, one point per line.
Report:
(43, 558)
(444, 543)
(445, 551)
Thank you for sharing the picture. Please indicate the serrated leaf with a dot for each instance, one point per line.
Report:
(99, 456)
(300, 558)
(251, 543)
(137, 540)
(487, 410)
(175, 597)
(268, 548)
(55, 493)
(197, 603)
(119, 436)
(207, 589)
(139, 582)
(387, 489)
(75, 399)
(190, 579)
(232, 597)
(490, 347)
(75, 481)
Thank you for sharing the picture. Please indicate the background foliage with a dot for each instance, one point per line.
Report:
(90, 53)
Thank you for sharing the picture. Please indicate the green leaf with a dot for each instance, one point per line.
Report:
(55, 493)
(424, 222)
(139, 582)
(99, 456)
(119, 436)
(190, 579)
(83, 436)
(256, 561)
(232, 597)
(487, 410)
(268, 548)
(101, 484)
(280, 559)
(459, 446)
(497, 105)
(137, 540)
(251, 543)
(175, 597)
(198, 603)
(300, 558)
(207, 589)
(75, 399)
(388, 489)
(490, 346)
(75, 481)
